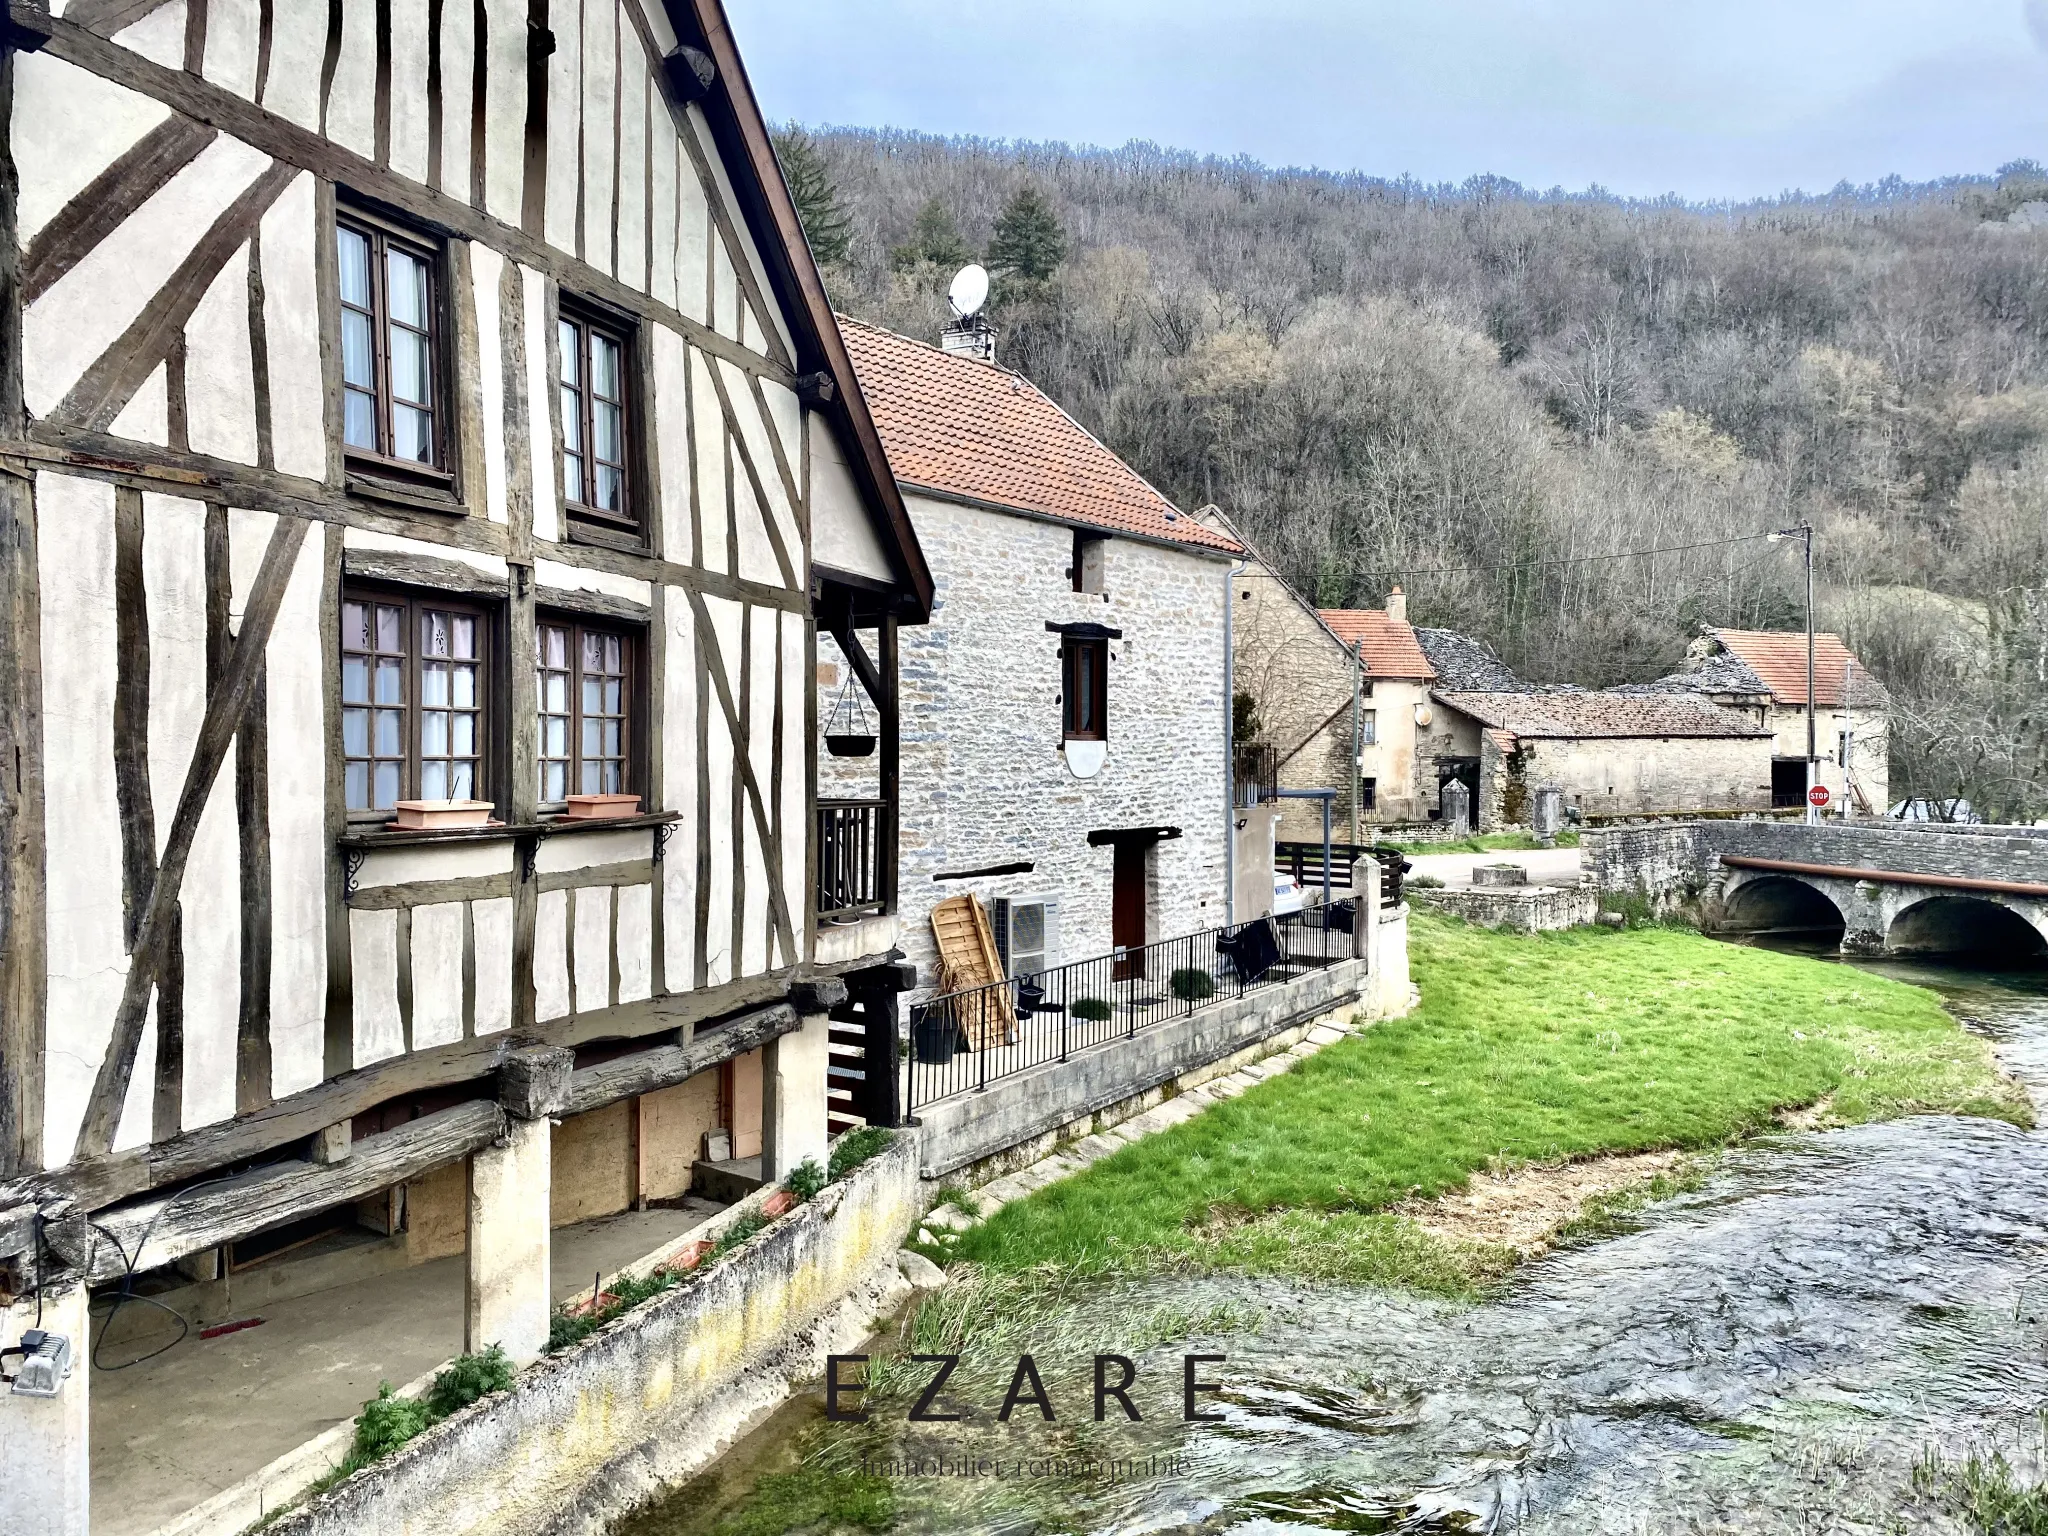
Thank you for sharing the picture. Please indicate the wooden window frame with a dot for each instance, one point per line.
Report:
(415, 601)
(1368, 727)
(1072, 728)
(632, 697)
(382, 233)
(586, 518)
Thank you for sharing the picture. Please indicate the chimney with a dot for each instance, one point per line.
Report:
(971, 336)
(1397, 606)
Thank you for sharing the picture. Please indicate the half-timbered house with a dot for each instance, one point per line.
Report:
(425, 403)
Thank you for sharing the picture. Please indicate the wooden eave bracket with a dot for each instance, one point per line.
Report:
(691, 72)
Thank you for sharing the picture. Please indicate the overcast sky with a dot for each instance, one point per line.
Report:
(1708, 98)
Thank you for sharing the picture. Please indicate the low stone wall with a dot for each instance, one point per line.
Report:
(645, 1403)
(1019, 1111)
(1522, 909)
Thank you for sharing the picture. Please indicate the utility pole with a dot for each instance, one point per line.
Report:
(1357, 751)
(1804, 533)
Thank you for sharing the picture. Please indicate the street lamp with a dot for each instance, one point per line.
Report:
(1804, 533)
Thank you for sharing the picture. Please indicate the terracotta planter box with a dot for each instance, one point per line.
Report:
(426, 815)
(601, 807)
(778, 1203)
(692, 1254)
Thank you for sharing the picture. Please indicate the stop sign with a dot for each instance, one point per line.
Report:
(1817, 796)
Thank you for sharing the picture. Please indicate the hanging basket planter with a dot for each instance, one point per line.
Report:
(848, 732)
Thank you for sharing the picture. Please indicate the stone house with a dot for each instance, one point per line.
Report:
(381, 446)
(1064, 713)
(1762, 673)
(1614, 755)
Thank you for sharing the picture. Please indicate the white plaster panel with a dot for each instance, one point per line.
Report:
(754, 556)
(540, 389)
(158, 37)
(796, 691)
(505, 108)
(763, 650)
(487, 267)
(295, 700)
(600, 59)
(671, 412)
(436, 974)
(89, 308)
(725, 289)
(707, 425)
(747, 253)
(786, 421)
(88, 961)
(761, 448)
(661, 213)
(580, 578)
(693, 241)
(220, 378)
(409, 90)
(137, 1125)
(458, 74)
(565, 118)
(843, 533)
(551, 956)
(232, 36)
(593, 948)
(146, 417)
(213, 952)
(373, 986)
(587, 850)
(399, 544)
(174, 581)
(248, 541)
(352, 99)
(298, 47)
(291, 332)
(679, 793)
(456, 861)
(630, 260)
(68, 126)
(490, 927)
(636, 942)
(727, 618)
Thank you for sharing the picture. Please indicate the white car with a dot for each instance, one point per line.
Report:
(1286, 895)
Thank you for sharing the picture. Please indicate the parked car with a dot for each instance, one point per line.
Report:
(1286, 895)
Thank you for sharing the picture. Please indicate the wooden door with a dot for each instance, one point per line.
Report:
(1127, 909)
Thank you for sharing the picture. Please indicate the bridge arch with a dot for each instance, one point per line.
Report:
(1987, 931)
(1782, 904)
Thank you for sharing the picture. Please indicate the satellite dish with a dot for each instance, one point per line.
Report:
(1424, 714)
(969, 290)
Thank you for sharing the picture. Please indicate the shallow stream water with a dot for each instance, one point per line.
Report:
(1770, 1352)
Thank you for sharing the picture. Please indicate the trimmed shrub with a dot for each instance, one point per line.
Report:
(1093, 1009)
(1192, 984)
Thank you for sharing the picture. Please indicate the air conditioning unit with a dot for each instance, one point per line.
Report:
(1027, 933)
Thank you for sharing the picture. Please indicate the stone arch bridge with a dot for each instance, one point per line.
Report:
(1875, 887)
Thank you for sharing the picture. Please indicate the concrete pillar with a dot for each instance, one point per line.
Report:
(793, 1082)
(510, 1269)
(46, 1442)
(1365, 915)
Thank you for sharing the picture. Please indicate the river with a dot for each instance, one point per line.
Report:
(1770, 1352)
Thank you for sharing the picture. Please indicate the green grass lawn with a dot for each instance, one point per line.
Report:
(1525, 1049)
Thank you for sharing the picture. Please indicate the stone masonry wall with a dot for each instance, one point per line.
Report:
(984, 779)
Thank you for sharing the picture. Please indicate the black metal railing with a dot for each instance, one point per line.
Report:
(853, 852)
(963, 1041)
(1304, 861)
(1255, 769)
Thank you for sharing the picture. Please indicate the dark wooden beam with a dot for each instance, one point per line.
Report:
(106, 201)
(150, 1233)
(627, 1077)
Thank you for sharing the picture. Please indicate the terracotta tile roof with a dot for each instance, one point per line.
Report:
(962, 427)
(1390, 649)
(1588, 716)
(1778, 658)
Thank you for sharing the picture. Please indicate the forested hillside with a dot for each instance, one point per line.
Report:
(1443, 387)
